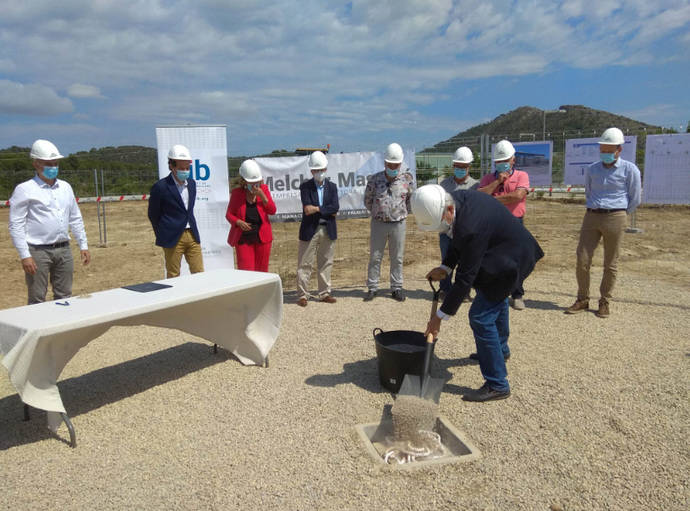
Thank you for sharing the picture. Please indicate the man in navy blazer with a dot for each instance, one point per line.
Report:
(490, 251)
(317, 232)
(171, 212)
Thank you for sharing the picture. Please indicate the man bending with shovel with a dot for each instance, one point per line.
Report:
(490, 251)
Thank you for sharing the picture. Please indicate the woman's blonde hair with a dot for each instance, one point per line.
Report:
(237, 182)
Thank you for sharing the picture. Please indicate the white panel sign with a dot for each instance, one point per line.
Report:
(348, 171)
(580, 153)
(208, 147)
(667, 169)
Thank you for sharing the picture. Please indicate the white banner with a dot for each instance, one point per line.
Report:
(208, 147)
(580, 153)
(348, 171)
(667, 169)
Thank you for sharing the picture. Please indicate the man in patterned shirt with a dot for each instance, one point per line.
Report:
(387, 197)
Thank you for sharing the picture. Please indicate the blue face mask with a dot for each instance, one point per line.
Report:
(50, 172)
(460, 173)
(182, 175)
(392, 172)
(607, 158)
(503, 167)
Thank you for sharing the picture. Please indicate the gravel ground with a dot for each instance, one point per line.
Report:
(598, 418)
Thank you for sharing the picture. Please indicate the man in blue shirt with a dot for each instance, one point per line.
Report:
(612, 189)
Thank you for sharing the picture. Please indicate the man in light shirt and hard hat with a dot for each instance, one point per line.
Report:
(387, 197)
(509, 186)
(492, 252)
(41, 211)
(171, 212)
(460, 180)
(612, 191)
(317, 232)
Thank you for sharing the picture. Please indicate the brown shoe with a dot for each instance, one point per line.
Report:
(578, 306)
(302, 302)
(328, 299)
(603, 311)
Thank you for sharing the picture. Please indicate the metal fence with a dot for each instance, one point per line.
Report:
(433, 162)
(437, 160)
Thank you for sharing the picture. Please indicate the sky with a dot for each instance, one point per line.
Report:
(356, 75)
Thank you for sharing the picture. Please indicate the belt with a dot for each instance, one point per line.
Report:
(604, 211)
(59, 244)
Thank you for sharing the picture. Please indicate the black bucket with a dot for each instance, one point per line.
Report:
(399, 352)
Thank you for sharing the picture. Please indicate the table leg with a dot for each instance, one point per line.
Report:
(27, 417)
(266, 361)
(72, 434)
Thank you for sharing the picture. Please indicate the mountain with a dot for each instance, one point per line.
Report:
(527, 123)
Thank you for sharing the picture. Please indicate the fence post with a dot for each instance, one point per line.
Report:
(105, 228)
(633, 229)
(98, 207)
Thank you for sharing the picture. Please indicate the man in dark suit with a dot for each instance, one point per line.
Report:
(317, 232)
(490, 251)
(171, 212)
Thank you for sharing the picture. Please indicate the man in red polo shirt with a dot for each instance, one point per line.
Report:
(509, 186)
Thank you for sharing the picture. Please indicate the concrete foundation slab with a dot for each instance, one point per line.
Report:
(460, 449)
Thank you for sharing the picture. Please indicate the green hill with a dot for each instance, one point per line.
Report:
(527, 123)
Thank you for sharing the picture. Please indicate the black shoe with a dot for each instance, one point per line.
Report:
(486, 393)
(398, 295)
(370, 295)
(474, 356)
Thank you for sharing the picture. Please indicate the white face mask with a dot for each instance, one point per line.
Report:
(320, 176)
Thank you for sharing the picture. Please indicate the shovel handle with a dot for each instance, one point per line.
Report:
(434, 303)
(430, 339)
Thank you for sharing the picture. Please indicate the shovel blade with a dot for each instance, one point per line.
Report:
(430, 388)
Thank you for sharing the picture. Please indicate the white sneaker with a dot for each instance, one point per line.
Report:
(517, 303)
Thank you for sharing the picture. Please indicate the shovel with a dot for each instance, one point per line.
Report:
(425, 386)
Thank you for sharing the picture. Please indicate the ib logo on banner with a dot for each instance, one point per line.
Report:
(198, 169)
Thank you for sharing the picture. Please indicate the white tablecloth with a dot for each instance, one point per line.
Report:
(238, 310)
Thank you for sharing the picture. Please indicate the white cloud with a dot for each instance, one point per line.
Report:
(7, 65)
(31, 99)
(275, 67)
(79, 90)
(662, 23)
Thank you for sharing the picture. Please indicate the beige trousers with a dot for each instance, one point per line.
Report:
(595, 226)
(322, 248)
(191, 250)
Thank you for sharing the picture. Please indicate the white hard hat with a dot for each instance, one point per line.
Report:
(317, 160)
(612, 136)
(504, 150)
(463, 155)
(428, 203)
(44, 150)
(250, 171)
(179, 152)
(394, 153)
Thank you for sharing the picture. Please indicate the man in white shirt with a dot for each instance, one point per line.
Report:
(42, 210)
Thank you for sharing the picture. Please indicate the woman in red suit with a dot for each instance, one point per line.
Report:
(250, 231)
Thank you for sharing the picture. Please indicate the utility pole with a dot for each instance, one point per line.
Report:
(559, 111)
